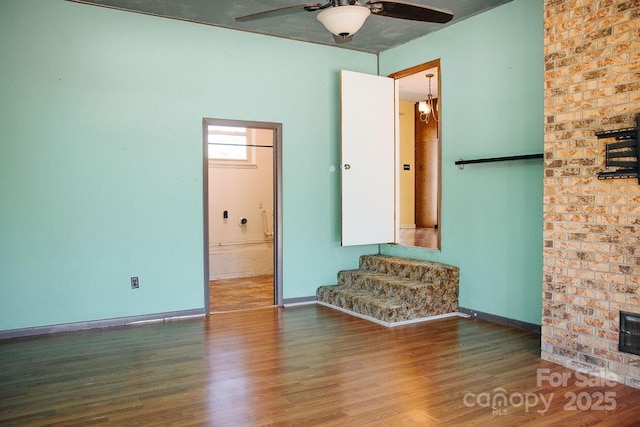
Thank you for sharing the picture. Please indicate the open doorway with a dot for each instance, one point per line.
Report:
(419, 155)
(242, 215)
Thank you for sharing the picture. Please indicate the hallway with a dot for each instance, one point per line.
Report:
(244, 293)
(422, 237)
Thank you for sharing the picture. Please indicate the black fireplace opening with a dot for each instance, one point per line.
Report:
(629, 341)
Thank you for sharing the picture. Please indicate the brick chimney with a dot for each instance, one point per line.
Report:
(591, 227)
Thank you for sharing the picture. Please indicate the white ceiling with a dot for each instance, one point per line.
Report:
(414, 88)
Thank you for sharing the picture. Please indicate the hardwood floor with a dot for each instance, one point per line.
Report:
(299, 366)
(246, 293)
(422, 237)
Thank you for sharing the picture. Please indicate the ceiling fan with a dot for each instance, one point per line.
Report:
(344, 17)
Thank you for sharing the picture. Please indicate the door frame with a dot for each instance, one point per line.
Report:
(276, 128)
(435, 63)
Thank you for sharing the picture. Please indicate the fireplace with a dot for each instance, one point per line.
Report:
(629, 341)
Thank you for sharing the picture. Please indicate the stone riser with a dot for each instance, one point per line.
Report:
(384, 285)
(386, 310)
(420, 271)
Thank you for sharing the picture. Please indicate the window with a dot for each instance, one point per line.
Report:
(229, 146)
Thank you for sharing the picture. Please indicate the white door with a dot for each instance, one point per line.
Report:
(368, 159)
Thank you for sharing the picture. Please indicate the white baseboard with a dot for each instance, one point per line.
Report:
(394, 324)
(292, 302)
(296, 304)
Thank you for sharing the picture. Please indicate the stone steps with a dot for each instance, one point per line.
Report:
(392, 289)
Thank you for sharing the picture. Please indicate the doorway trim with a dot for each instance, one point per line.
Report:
(276, 128)
(408, 72)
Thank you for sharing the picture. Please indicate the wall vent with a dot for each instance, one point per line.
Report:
(629, 341)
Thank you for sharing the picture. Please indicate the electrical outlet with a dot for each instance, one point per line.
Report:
(135, 283)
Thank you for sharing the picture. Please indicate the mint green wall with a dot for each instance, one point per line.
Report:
(100, 156)
(492, 105)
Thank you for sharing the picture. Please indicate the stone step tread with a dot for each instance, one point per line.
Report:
(388, 259)
(410, 268)
(411, 295)
(387, 286)
(387, 309)
(364, 295)
(383, 278)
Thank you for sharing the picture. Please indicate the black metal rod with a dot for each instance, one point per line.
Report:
(618, 133)
(238, 145)
(500, 159)
(625, 143)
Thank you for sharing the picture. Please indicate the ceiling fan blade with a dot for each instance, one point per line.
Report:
(280, 11)
(411, 11)
(340, 39)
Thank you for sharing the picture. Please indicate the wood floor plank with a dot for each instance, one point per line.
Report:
(242, 293)
(299, 366)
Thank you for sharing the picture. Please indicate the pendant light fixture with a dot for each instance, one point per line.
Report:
(428, 108)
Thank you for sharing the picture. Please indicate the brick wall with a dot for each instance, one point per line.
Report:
(591, 226)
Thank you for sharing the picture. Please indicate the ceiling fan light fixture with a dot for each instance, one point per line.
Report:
(344, 21)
